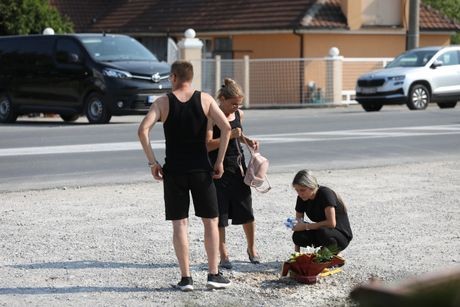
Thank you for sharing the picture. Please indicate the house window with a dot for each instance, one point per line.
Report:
(207, 48)
(223, 46)
(381, 12)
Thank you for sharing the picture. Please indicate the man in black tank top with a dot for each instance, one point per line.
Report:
(187, 169)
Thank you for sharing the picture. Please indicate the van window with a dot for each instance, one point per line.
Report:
(66, 45)
(27, 53)
(116, 48)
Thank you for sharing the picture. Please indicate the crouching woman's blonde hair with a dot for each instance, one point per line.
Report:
(305, 178)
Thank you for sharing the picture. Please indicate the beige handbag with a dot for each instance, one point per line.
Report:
(256, 173)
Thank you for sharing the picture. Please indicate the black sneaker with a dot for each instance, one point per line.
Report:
(217, 281)
(186, 284)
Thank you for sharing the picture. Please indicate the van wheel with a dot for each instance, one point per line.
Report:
(447, 105)
(372, 107)
(96, 109)
(7, 112)
(69, 118)
(419, 97)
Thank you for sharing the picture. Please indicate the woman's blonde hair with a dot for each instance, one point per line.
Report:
(305, 178)
(230, 89)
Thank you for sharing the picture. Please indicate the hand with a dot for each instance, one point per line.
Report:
(235, 133)
(253, 143)
(301, 226)
(157, 171)
(218, 170)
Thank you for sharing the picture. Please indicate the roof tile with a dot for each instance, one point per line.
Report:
(431, 19)
(174, 16)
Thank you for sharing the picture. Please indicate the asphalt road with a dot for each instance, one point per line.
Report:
(45, 152)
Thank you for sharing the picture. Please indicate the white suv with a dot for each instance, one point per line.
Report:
(415, 78)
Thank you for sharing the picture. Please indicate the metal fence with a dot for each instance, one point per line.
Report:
(353, 68)
(287, 82)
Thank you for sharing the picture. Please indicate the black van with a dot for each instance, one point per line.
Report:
(97, 75)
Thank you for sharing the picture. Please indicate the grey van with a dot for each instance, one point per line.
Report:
(415, 78)
(97, 75)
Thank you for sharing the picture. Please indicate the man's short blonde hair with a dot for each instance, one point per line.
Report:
(183, 70)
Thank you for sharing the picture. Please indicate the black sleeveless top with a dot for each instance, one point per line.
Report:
(185, 134)
(234, 146)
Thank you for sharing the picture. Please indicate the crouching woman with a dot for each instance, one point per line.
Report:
(329, 225)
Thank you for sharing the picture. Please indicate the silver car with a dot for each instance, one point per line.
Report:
(415, 78)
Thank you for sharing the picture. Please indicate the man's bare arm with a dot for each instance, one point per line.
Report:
(216, 114)
(143, 133)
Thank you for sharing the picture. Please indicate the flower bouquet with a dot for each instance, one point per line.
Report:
(306, 267)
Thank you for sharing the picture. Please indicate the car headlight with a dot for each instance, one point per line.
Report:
(396, 78)
(115, 73)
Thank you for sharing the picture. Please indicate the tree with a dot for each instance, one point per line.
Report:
(31, 17)
(450, 8)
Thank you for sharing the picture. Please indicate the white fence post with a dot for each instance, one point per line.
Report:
(334, 76)
(190, 50)
(218, 72)
(246, 103)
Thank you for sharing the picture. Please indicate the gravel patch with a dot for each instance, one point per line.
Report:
(110, 245)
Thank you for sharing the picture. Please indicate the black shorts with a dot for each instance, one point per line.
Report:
(177, 189)
(234, 197)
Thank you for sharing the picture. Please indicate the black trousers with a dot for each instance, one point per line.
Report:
(327, 237)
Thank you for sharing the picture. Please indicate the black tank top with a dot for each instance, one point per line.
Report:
(185, 134)
(234, 147)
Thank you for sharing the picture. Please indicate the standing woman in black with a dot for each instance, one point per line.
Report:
(233, 195)
(329, 226)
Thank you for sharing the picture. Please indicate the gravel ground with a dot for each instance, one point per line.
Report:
(110, 246)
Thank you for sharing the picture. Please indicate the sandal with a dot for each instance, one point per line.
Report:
(226, 264)
(253, 259)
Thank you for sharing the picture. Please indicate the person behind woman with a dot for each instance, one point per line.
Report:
(330, 226)
(234, 196)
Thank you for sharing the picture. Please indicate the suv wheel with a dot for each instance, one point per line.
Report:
(96, 109)
(69, 118)
(419, 97)
(447, 105)
(372, 107)
(7, 112)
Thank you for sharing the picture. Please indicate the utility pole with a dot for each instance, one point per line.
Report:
(413, 32)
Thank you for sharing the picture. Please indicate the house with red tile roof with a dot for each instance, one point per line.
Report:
(264, 28)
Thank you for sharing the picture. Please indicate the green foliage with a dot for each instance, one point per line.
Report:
(31, 16)
(450, 8)
(324, 254)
